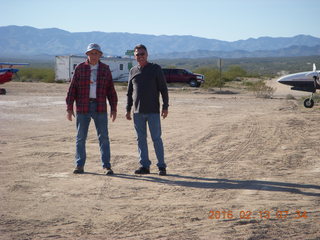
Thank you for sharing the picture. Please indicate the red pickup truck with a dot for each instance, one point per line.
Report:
(183, 76)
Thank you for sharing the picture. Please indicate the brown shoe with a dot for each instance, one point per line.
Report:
(78, 170)
(108, 171)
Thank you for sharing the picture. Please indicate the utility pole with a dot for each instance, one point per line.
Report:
(220, 72)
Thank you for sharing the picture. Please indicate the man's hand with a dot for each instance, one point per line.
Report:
(128, 115)
(70, 113)
(113, 115)
(164, 114)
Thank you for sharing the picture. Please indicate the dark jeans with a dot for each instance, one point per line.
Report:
(140, 124)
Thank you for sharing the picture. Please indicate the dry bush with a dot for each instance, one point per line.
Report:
(261, 90)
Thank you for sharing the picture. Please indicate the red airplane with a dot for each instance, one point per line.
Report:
(6, 73)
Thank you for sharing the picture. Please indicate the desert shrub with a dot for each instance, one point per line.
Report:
(234, 72)
(60, 81)
(212, 77)
(248, 84)
(290, 97)
(36, 74)
(261, 90)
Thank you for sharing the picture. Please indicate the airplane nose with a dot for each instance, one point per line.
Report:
(287, 80)
(282, 80)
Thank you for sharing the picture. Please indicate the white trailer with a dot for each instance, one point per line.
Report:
(119, 67)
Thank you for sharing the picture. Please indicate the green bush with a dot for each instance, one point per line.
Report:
(36, 75)
(234, 72)
(213, 77)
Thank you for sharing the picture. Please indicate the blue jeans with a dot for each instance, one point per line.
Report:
(140, 124)
(101, 123)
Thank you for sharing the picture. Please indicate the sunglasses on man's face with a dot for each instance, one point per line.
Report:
(140, 54)
(92, 53)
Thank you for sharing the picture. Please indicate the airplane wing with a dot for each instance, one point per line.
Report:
(13, 64)
(13, 70)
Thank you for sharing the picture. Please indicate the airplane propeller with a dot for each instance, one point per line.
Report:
(308, 103)
(315, 75)
(314, 72)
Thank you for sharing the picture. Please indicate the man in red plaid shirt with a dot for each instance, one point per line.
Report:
(90, 88)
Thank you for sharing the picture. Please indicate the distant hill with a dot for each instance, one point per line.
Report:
(20, 41)
(292, 51)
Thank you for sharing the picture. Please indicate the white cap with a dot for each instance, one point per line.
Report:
(93, 46)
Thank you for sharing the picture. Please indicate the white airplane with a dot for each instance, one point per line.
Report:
(303, 81)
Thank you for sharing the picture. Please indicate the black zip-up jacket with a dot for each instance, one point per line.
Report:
(144, 88)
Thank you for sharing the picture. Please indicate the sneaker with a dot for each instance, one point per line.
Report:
(142, 170)
(78, 170)
(108, 171)
(162, 172)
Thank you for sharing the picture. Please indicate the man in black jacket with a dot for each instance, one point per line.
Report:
(146, 83)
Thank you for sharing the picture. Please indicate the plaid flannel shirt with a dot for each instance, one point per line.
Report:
(80, 88)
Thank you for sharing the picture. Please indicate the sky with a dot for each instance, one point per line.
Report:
(227, 20)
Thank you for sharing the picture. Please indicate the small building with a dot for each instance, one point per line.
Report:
(119, 66)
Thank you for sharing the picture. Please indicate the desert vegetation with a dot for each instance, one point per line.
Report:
(247, 73)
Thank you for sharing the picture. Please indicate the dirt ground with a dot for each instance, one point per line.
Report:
(239, 167)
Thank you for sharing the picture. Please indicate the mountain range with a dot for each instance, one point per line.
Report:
(26, 41)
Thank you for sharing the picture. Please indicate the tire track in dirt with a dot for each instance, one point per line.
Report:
(250, 141)
(222, 150)
(131, 223)
(294, 143)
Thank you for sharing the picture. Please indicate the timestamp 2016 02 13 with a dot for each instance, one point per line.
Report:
(261, 214)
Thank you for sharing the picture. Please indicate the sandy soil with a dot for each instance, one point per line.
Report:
(239, 167)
